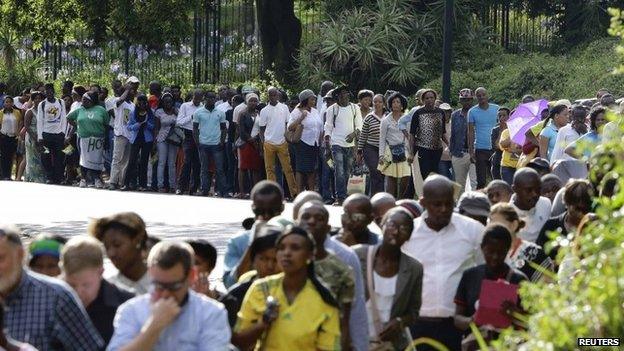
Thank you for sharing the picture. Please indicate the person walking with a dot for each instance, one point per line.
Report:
(342, 127)
(393, 150)
(11, 122)
(209, 132)
(91, 121)
(495, 136)
(427, 134)
(276, 307)
(189, 177)
(273, 120)
(463, 163)
(569, 133)
(141, 126)
(393, 282)
(51, 127)
(481, 120)
(368, 145)
(166, 117)
(305, 116)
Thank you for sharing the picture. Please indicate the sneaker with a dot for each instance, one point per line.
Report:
(99, 184)
(83, 183)
(179, 192)
(329, 202)
(338, 203)
(142, 189)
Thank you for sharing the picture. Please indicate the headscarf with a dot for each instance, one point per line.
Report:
(250, 96)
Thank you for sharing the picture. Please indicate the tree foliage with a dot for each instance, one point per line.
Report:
(392, 44)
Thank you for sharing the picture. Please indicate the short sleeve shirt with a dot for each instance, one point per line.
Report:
(274, 118)
(469, 287)
(122, 116)
(427, 127)
(91, 122)
(209, 125)
(550, 133)
(309, 323)
(338, 277)
(509, 159)
(484, 121)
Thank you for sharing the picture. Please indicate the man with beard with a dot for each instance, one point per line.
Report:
(41, 310)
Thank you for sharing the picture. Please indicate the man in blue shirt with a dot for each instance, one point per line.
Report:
(481, 120)
(209, 132)
(172, 316)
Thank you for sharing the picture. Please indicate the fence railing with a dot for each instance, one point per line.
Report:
(225, 45)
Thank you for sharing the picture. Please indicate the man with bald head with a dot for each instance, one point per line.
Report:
(532, 208)
(446, 243)
(301, 199)
(481, 120)
(358, 214)
(382, 203)
(273, 119)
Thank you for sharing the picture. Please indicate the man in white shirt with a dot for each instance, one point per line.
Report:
(189, 176)
(226, 105)
(446, 243)
(172, 316)
(569, 134)
(326, 86)
(273, 119)
(532, 208)
(342, 126)
(123, 110)
(51, 128)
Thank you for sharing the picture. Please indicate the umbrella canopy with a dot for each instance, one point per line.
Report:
(523, 118)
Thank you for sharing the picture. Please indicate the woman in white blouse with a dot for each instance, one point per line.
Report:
(307, 149)
(393, 147)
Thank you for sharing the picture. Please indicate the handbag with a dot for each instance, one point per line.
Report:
(398, 153)
(293, 137)
(375, 344)
(175, 136)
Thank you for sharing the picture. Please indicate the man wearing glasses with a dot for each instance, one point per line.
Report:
(171, 316)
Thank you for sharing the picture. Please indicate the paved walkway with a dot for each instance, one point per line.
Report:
(66, 210)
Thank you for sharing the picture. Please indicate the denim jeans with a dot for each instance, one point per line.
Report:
(166, 156)
(343, 166)
(108, 154)
(327, 185)
(483, 167)
(371, 159)
(137, 166)
(446, 169)
(507, 173)
(214, 152)
(191, 166)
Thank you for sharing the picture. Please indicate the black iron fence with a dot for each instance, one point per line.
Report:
(518, 31)
(225, 45)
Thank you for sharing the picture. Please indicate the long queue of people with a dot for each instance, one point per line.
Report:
(222, 143)
(293, 281)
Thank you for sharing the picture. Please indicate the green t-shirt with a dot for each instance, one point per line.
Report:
(91, 122)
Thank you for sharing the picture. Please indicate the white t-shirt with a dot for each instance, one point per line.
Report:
(75, 105)
(274, 118)
(348, 120)
(566, 136)
(312, 126)
(534, 218)
(237, 112)
(122, 116)
(110, 105)
(51, 117)
(9, 124)
(185, 115)
(224, 106)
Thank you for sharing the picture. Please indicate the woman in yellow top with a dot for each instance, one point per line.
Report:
(10, 125)
(511, 154)
(291, 310)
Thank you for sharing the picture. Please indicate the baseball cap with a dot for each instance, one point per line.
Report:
(329, 95)
(446, 107)
(539, 163)
(132, 80)
(465, 94)
(474, 203)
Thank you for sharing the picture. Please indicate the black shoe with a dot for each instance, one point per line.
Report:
(329, 202)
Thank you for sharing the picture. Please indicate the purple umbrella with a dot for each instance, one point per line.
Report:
(523, 118)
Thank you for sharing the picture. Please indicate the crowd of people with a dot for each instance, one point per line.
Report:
(396, 270)
(222, 143)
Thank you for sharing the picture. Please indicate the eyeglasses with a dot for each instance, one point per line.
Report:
(171, 287)
(355, 217)
(401, 228)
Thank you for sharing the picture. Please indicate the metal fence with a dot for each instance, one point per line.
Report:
(516, 30)
(225, 45)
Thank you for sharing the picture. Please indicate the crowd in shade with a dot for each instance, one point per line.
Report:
(491, 210)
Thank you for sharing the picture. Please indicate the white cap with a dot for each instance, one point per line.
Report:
(132, 80)
(446, 107)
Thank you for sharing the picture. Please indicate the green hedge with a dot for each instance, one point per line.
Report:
(578, 74)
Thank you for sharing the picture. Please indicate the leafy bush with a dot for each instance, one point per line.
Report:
(578, 74)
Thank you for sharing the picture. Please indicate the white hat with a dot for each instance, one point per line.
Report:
(132, 80)
(446, 107)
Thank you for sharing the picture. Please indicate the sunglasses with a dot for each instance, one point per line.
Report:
(171, 287)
